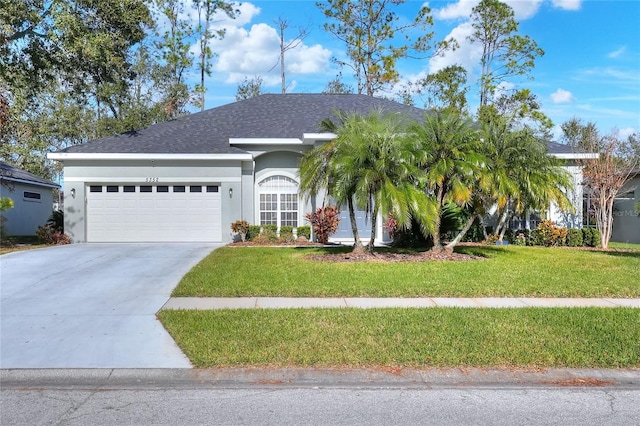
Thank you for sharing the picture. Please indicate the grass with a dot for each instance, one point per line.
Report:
(436, 337)
(20, 243)
(506, 272)
(628, 246)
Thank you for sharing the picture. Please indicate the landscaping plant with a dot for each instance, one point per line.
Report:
(325, 221)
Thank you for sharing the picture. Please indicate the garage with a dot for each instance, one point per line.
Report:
(153, 213)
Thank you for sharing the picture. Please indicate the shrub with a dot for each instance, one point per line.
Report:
(475, 234)
(551, 234)
(304, 231)
(391, 224)
(535, 238)
(597, 237)
(254, 231)
(267, 236)
(56, 221)
(520, 238)
(48, 235)
(286, 234)
(272, 227)
(574, 237)
(591, 237)
(240, 227)
(509, 236)
(492, 239)
(325, 222)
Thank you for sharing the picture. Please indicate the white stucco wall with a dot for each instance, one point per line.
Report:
(568, 219)
(78, 174)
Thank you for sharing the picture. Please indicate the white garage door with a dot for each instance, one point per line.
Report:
(153, 213)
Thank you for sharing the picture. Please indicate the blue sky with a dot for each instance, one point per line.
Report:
(590, 70)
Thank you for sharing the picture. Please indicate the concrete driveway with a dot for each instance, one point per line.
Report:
(91, 305)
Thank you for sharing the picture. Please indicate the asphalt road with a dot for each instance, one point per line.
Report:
(278, 397)
(281, 405)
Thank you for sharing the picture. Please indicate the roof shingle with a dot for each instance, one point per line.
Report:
(264, 116)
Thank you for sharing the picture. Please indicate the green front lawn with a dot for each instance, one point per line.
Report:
(434, 337)
(505, 272)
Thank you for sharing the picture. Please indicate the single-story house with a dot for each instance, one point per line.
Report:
(626, 212)
(32, 200)
(188, 179)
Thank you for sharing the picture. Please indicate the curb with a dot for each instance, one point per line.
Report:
(374, 378)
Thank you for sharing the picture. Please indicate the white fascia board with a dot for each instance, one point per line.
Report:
(265, 141)
(312, 137)
(30, 182)
(576, 156)
(61, 156)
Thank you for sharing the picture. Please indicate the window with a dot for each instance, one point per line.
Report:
(162, 189)
(178, 189)
(128, 188)
(212, 189)
(195, 189)
(95, 188)
(146, 188)
(289, 210)
(31, 195)
(268, 209)
(111, 188)
(278, 201)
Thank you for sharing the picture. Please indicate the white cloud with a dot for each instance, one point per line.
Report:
(626, 132)
(522, 9)
(617, 53)
(567, 4)
(467, 55)
(562, 96)
(461, 9)
(256, 51)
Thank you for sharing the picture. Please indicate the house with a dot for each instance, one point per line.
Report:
(626, 212)
(188, 179)
(32, 200)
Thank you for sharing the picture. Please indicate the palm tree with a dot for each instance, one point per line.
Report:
(451, 159)
(317, 176)
(371, 165)
(522, 176)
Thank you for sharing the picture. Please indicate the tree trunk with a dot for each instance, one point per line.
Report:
(501, 224)
(357, 244)
(461, 234)
(483, 226)
(437, 244)
(374, 221)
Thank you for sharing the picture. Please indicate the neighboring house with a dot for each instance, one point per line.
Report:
(626, 212)
(188, 179)
(32, 200)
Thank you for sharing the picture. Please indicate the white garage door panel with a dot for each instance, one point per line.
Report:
(153, 216)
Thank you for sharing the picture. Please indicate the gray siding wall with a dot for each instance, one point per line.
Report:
(79, 174)
(626, 217)
(27, 213)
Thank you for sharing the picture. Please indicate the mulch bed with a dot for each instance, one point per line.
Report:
(426, 256)
(394, 257)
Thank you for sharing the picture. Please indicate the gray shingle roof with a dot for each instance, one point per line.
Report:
(264, 116)
(10, 172)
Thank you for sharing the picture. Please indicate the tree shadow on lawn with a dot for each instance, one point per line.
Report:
(618, 253)
(484, 251)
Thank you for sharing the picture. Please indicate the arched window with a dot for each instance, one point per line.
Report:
(278, 201)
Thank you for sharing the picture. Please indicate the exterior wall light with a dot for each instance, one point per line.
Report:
(73, 193)
(230, 192)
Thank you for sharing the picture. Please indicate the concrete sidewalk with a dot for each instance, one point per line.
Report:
(205, 303)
